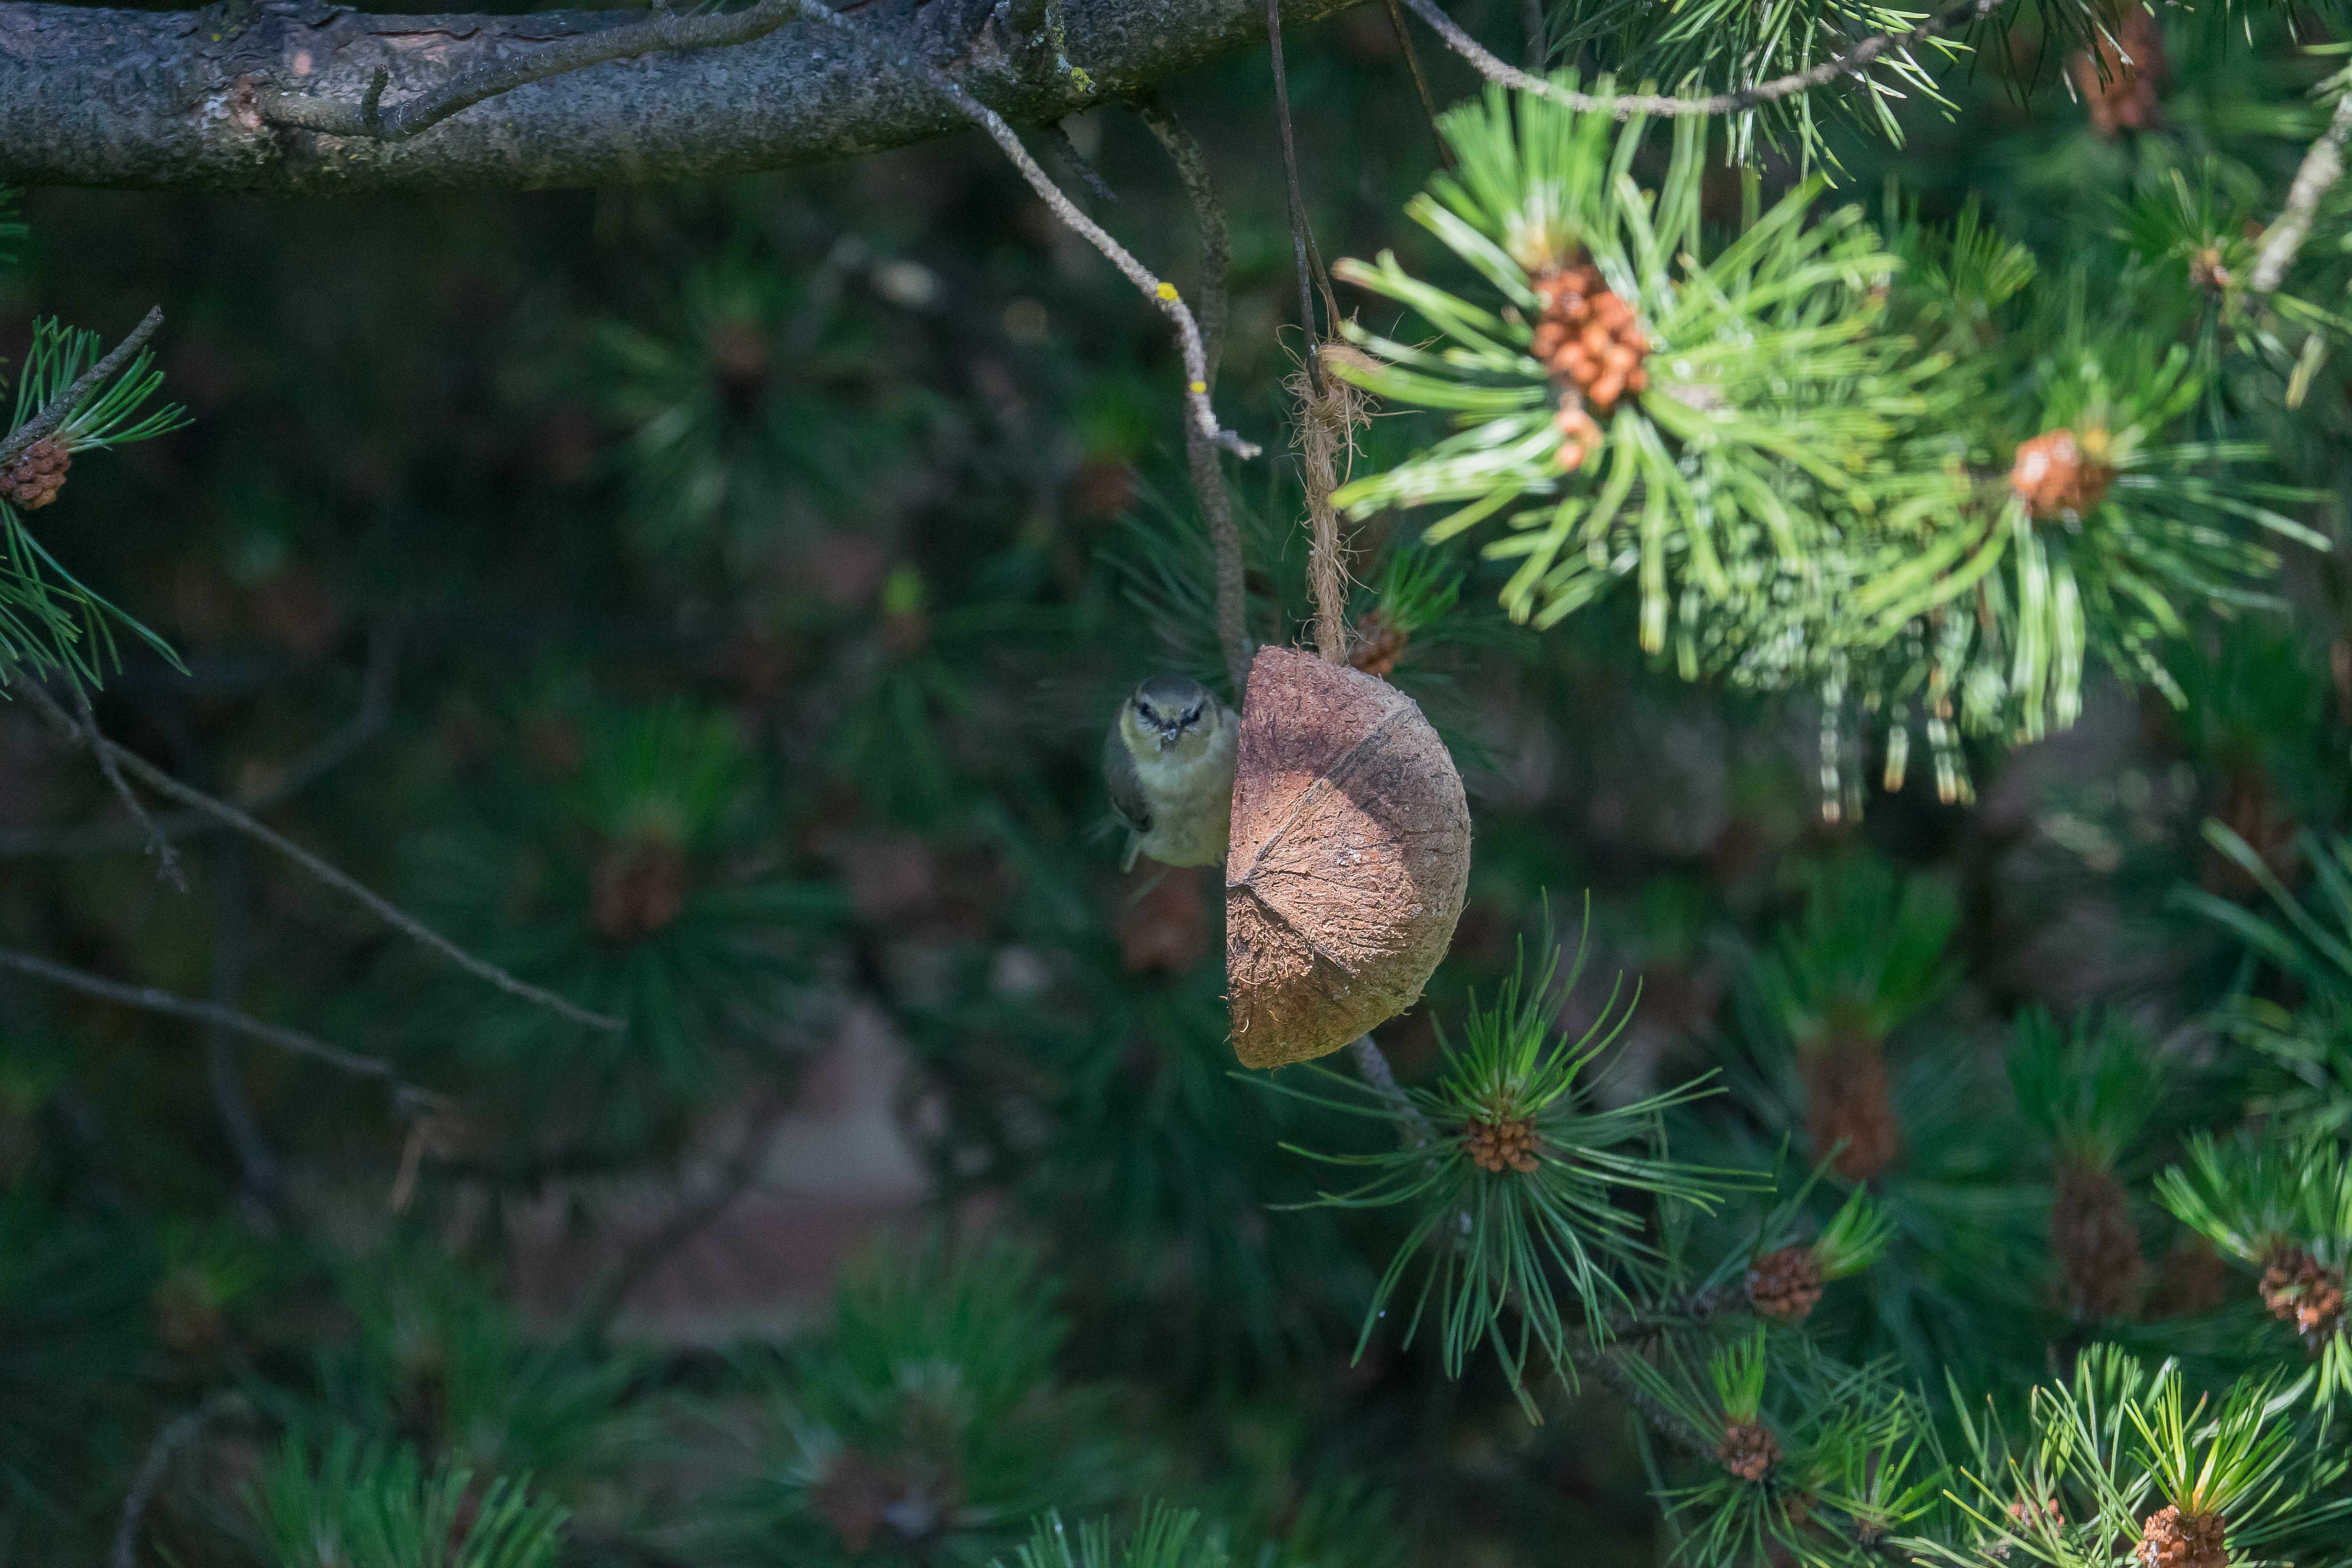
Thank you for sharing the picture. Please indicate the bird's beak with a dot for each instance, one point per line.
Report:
(1168, 736)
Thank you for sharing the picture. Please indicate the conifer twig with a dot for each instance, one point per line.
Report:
(1373, 1064)
(57, 410)
(2322, 166)
(1860, 58)
(147, 998)
(175, 1436)
(1207, 474)
(664, 29)
(167, 859)
(334, 876)
(1162, 294)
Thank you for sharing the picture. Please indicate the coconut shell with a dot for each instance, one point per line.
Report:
(1348, 860)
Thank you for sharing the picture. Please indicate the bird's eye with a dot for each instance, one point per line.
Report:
(1191, 716)
(1144, 708)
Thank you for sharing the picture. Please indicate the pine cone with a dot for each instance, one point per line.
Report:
(640, 889)
(1846, 1099)
(855, 1496)
(2121, 93)
(1495, 1144)
(2052, 475)
(2299, 1291)
(1785, 1284)
(33, 480)
(2174, 1540)
(1747, 1450)
(1588, 337)
(2096, 1243)
(1378, 645)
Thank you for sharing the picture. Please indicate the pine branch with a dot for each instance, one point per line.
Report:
(374, 712)
(58, 409)
(665, 29)
(2322, 166)
(342, 881)
(167, 859)
(1207, 474)
(148, 999)
(1373, 1064)
(1858, 59)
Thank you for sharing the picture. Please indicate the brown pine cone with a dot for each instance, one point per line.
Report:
(1847, 1100)
(1579, 433)
(2096, 1243)
(1378, 644)
(640, 888)
(2052, 475)
(2298, 1291)
(1495, 1144)
(1591, 340)
(2121, 86)
(2172, 1539)
(1747, 1450)
(1785, 1284)
(33, 480)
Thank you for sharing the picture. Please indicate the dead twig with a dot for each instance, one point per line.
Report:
(167, 859)
(175, 1436)
(2322, 166)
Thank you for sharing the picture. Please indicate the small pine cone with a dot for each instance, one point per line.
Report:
(1590, 339)
(1747, 1450)
(1579, 433)
(2096, 1243)
(1378, 644)
(2122, 87)
(2173, 1540)
(2052, 475)
(2024, 1509)
(1497, 1144)
(2205, 271)
(1785, 1284)
(1847, 1101)
(640, 889)
(2299, 1291)
(33, 480)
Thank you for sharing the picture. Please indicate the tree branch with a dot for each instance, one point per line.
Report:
(162, 100)
(374, 712)
(167, 859)
(1858, 59)
(342, 881)
(2322, 166)
(56, 411)
(148, 999)
(175, 1436)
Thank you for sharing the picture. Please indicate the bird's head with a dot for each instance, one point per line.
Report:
(1169, 716)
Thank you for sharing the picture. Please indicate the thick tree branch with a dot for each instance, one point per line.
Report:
(92, 96)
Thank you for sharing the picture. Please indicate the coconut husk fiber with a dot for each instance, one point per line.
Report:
(1350, 858)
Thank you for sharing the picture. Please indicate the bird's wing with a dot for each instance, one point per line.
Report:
(1125, 785)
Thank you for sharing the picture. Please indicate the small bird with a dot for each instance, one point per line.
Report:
(1168, 760)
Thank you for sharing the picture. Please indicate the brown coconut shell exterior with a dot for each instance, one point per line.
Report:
(1350, 858)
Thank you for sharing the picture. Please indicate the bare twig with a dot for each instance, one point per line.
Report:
(263, 1189)
(731, 1181)
(1420, 83)
(1302, 239)
(175, 1434)
(148, 999)
(2322, 166)
(58, 409)
(1531, 16)
(374, 712)
(1068, 150)
(1162, 294)
(1860, 58)
(167, 859)
(1208, 474)
(342, 881)
(662, 29)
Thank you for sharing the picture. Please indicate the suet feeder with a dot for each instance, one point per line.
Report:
(1350, 858)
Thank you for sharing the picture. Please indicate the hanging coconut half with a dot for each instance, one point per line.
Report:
(1348, 861)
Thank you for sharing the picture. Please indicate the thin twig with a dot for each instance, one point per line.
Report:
(374, 712)
(1531, 14)
(148, 999)
(174, 1436)
(732, 1180)
(1059, 135)
(1208, 474)
(1162, 294)
(342, 881)
(167, 859)
(1860, 58)
(662, 29)
(264, 1185)
(1302, 239)
(1420, 83)
(2322, 166)
(1373, 1064)
(58, 409)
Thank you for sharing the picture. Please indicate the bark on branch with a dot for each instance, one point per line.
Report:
(91, 96)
